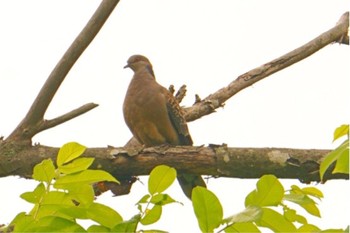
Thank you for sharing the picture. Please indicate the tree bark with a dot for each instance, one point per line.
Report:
(214, 161)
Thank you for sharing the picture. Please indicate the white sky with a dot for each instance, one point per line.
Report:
(203, 44)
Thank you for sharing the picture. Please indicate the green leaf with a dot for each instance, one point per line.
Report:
(250, 214)
(83, 194)
(275, 221)
(269, 192)
(292, 216)
(98, 228)
(304, 201)
(139, 207)
(152, 215)
(207, 208)
(56, 210)
(21, 222)
(242, 227)
(127, 226)
(342, 165)
(299, 199)
(68, 152)
(44, 171)
(340, 131)
(308, 228)
(35, 196)
(103, 215)
(84, 177)
(76, 165)
(144, 199)
(312, 209)
(52, 203)
(54, 224)
(300, 219)
(340, 153)
(72, 212)
(57, 197)
(162, 199)
(315, 192)
(161, 177)
(308, 191)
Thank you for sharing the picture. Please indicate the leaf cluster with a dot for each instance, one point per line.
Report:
(150, 206)
(64, 195)
(262, 205)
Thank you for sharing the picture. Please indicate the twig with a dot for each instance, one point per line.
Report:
(35, 116)
(217, 99)
(180, 94)
(344, 39)
(66, 117)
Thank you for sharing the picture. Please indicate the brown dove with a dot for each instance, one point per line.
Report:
(154, 116)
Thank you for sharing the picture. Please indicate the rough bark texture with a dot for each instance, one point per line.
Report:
(215, 161)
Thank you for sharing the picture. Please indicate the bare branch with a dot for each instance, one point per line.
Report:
(35, 116)
(217, 161)
(344, 39)
(66, 117)
(217, 99)
(180, 94)
(208, 105)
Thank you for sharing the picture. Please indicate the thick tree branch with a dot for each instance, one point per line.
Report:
(30, 125)
(216, 161)
(339, 33)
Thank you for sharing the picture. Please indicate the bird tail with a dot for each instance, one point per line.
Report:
(189, 181)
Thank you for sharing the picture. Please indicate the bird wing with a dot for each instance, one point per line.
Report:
(177, 119)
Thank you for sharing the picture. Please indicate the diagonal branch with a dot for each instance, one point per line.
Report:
(35, 116)
(66, 117)
(207, 106)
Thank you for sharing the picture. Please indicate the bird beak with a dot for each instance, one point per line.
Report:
(127, 66)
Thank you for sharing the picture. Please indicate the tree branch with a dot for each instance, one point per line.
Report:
(216, 161)
(29, 126)
(207, 106)
(66, 117)
(344, 39)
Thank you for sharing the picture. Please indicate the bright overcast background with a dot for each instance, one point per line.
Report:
(203, 44)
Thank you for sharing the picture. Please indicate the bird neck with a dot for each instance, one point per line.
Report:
(145, 71)
(150, 70)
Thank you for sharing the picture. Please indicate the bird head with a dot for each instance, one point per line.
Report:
(138, 63)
